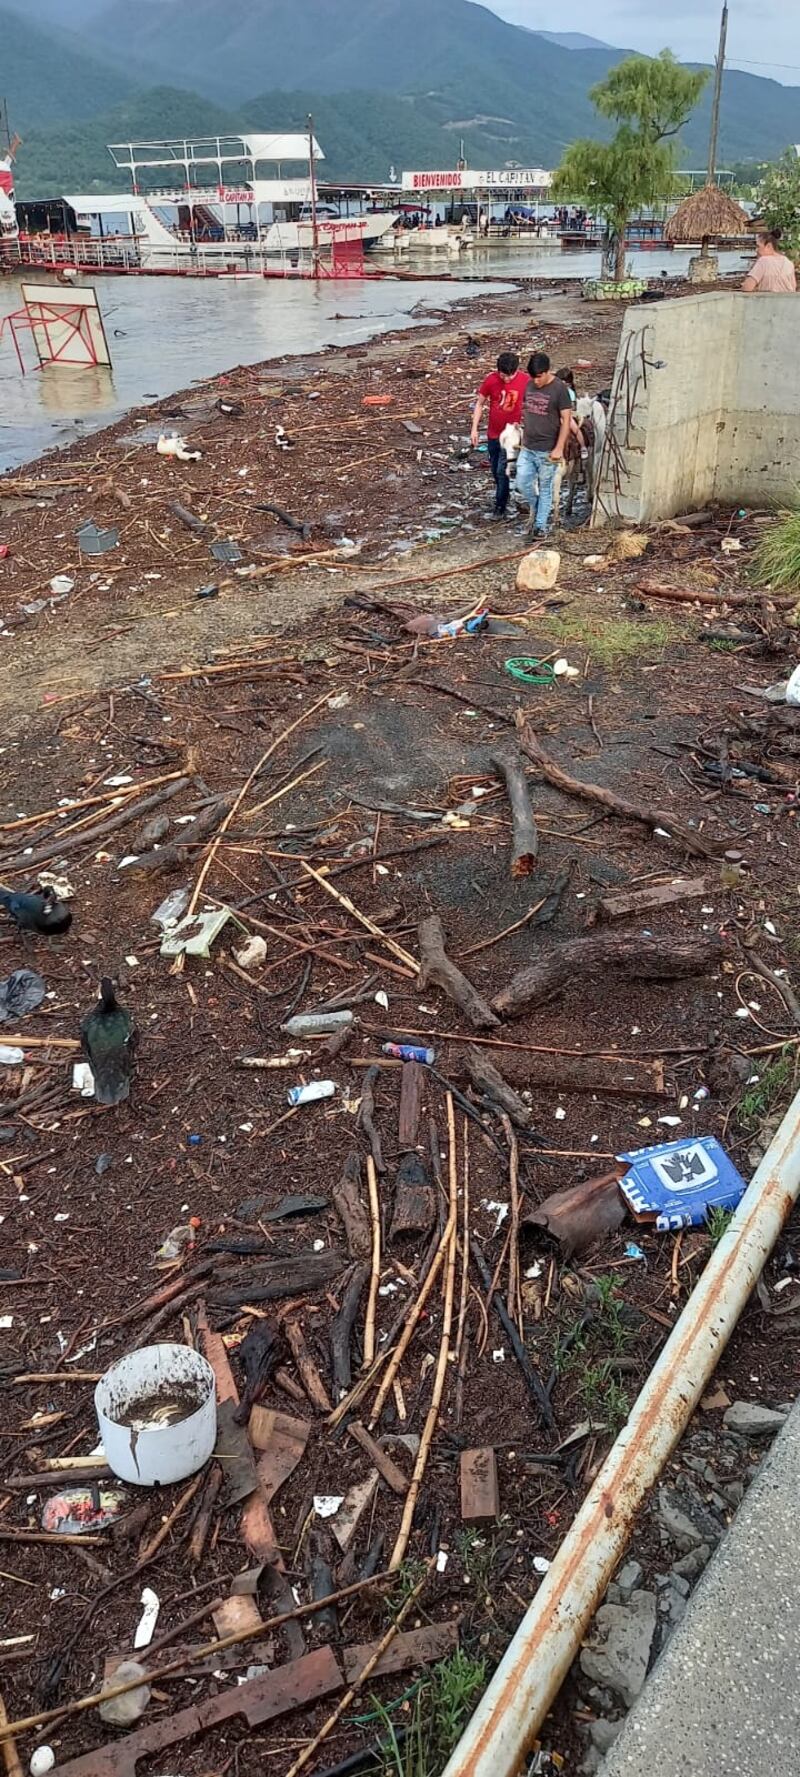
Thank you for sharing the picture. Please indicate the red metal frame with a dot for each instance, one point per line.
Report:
(46, 315)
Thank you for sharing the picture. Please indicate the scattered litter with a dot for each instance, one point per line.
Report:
(541, 1564)
(317, 1024)
(730, 545)
(83, 1079)
(317, 1089)
(43, 1760)
(170, 910)
(670, 1122)
(340, 701)
(6, 1322)
(326, 1505)
(441, 1561)
(178, 1240)
(20, 993)
(61, 585)
(92, 540)
(146, 1626)
(225, 550)
(122, 1712)
(254, 953)
(196, 933)
(677, 1183)
(632, 1251)
(81, 1509)
(61, 886)
(11, 1056)
(382, 999)
(409, 1052)
(499, 1356)
(793, 687)
(530, 671)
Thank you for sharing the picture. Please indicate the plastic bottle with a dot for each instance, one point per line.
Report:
(409, 1052)
(310, 1094)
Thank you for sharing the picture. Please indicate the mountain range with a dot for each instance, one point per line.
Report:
(390, 82)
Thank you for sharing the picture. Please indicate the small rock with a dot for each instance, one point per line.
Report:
(691, 1566)
(685, 1520)
(538, 572)
(715, 1400)
(619, 1653)
(751, 1420)
(591, 1762)
(628, 1579)
(734, 1492)
(603, 1733)
(700, 1467)
(122, 1712)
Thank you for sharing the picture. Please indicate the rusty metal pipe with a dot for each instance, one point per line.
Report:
(536, 1663)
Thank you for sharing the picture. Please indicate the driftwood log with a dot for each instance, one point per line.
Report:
(342, 1327)
(489, 1080)
(663, 894)
(176, 855)
(579, 958)
(349, 1208)
(632, 811)
(525, 846)
(582, 1215)
(300, 1275)
(437, 969)
(410, 1106)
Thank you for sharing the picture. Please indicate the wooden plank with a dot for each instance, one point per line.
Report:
(392, 1475)
(480, 1492)
(350, 1513)
(410, 1102)
(306, 1367)
(663, 894)
(418, 1647)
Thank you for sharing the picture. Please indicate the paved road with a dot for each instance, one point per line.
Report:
(724, 1700)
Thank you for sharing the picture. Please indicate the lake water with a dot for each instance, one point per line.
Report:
(165, 333)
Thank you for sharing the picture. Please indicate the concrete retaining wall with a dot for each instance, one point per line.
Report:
(705, 406)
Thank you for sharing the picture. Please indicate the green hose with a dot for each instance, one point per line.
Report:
(518, 667)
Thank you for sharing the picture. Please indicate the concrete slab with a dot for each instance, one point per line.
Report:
(723, 1700)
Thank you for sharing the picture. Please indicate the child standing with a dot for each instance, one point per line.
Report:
(503, 391)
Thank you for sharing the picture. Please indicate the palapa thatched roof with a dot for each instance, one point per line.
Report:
(709, 214)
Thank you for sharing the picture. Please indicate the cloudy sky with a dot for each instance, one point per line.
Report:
(762, 38)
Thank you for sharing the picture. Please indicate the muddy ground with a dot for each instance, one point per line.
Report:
(374, 740)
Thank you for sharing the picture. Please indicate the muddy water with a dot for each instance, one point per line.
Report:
(165, 333)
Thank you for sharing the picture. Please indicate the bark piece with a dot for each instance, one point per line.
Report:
(525, 838)
(342, 1327)
(306, 1367)
(625, 1075)
(664, 894)
(259, 1700)
(301, 1275)
(480, 1491)
(410, 1105)
(234, 1454)
(282, 1441)
(437, 968)
(581, 1216)
(391, 1474)
(350, 1209)
(350, 1513)
(256, 1524)
(414, 1200)
(366, 1117)
(418, 1647)
(202, 1523)
(579, 958)
(632, 811)
(235, 1614)
(489, 1080)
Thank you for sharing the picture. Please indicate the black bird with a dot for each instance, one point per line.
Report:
(107, 1036)
(41, 912)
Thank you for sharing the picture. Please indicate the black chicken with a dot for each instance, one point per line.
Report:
(107, 1037)
(39, 912)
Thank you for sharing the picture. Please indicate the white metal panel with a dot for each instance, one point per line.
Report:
(280, 147)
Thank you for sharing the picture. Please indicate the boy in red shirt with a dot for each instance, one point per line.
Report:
(503, 390)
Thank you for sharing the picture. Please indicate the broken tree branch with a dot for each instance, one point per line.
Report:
(437, 968)
(632, 811)
(525, 847)
(375, 1272)
(578, 958)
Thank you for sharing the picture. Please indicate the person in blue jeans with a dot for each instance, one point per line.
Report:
(546, 414)
(502, 393)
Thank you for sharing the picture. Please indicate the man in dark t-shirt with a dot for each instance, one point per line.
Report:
(546, 411)
(503, 390)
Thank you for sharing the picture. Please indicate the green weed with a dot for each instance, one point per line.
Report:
(611, 641)
(442, 1708)
(759, 1099)
(610, 1315)
(723, 645)
(603, 1396)
(407, 1577)
(717, 1222)
(776, 560)
(476, 1554)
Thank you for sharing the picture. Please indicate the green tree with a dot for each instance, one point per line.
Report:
(779, 199)
(650, 100)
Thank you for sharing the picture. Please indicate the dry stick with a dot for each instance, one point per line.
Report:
(278, 794)
(344, 901)
(186, 1660)
(197, 1540)
(60, 847)
(238, 800)
(114, 794)
(375, 1273)
(399, 1550)
(11, 1760)
(514, 1299)
(525, 850)
(44, 1042)
(631, 811)
(462, 1307)
(306, 1367)
(408, 1331)
(151, 1548)
(366, 1671)
(486, 943)
(782, 987)
(702, 596)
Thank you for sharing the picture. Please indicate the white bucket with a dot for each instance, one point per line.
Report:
(131, 1396)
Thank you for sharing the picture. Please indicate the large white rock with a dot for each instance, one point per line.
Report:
(538, 571)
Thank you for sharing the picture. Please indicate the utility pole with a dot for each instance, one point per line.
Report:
(315, 265)
(715, 102)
